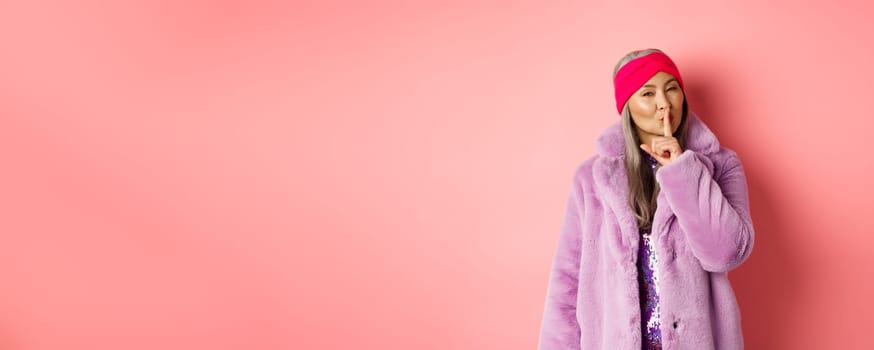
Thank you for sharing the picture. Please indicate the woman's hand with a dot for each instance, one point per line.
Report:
(664, 149)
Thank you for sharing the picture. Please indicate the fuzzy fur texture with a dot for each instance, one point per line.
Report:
(702, 229)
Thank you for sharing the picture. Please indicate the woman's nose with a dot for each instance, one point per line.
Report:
(662, 102)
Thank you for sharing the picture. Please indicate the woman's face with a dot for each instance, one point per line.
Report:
(648, 105)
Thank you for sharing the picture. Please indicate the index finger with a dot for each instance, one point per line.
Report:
(668, 132)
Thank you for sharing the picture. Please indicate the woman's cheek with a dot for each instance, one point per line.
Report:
(678, 99)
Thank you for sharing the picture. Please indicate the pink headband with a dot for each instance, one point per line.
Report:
(637, 71)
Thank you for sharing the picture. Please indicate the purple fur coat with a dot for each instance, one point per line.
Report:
(702, 229)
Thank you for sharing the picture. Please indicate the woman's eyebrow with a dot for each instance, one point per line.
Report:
(666, 83)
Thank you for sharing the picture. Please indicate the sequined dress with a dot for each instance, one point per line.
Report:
(648, 278)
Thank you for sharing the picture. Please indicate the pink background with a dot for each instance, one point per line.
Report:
(325, 175)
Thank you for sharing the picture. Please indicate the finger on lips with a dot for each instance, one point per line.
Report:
(668, 132)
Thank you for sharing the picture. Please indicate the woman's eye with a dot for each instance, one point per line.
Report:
(647, 93)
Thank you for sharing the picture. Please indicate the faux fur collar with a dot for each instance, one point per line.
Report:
(611, 182)
(611, 143)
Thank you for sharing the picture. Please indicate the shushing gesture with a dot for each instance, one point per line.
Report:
(664, 148)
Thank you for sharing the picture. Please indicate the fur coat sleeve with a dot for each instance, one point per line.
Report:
(560, 329)
(715, 212)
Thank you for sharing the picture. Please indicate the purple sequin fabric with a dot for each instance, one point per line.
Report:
(648, 279)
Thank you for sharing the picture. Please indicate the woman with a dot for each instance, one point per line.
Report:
(654, 222)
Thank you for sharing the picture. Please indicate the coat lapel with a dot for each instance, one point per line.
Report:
(611, 182)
